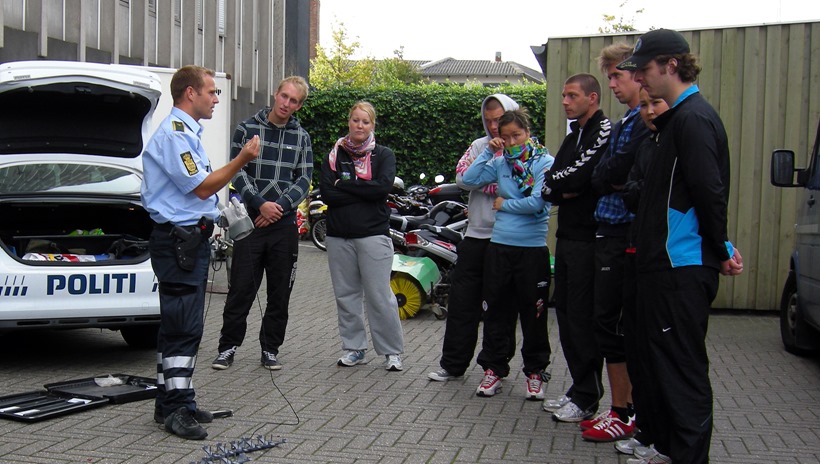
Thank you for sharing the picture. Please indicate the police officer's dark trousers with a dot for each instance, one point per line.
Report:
(673, 307)
(511, 289)
(574, 303)
(272, 251)
(182, 303)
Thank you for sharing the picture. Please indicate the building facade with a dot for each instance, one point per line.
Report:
(255, 42)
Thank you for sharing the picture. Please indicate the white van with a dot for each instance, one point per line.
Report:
(73, 234)
(800, 303)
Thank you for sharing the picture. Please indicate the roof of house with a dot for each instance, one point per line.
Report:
(475, 68)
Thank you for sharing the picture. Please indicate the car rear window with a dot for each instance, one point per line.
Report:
(67, 177)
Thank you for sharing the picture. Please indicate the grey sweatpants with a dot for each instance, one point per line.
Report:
(360, 271)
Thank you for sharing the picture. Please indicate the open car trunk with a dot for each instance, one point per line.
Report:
(65, 233)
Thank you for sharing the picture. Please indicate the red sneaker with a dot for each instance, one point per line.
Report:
(610, 429)
(589, 423)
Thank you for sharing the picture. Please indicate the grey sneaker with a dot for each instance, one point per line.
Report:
(224, 359)
(556, 404)
(441, 375)
(393, 362)
(269, 361)
(351, 358)
(628, 446)
(570, 412)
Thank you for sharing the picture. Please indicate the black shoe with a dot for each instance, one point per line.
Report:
(224, 359)
(182, 424)
(269, 361)
(202, 416)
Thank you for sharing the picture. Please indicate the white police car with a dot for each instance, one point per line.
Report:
(73, 234)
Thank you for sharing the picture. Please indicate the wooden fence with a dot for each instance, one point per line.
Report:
(764, 80)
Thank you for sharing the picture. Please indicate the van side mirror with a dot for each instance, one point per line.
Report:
(782, 169)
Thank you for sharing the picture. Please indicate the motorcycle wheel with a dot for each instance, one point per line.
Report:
(317, 233)
(409, 295)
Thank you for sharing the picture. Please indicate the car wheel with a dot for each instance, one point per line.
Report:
(140, 336)
(791, 321)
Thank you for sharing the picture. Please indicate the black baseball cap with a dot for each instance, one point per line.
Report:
(652, 44)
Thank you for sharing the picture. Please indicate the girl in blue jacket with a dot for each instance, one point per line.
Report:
(516, 277)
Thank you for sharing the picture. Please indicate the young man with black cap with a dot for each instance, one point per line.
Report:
(682, 245)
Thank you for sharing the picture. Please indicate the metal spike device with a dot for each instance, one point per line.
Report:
(234, 452)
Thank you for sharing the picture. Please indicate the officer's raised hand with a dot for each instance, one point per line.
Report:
(250, 151)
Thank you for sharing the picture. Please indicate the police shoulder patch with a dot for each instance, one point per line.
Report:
(189, 163)
(178, 126)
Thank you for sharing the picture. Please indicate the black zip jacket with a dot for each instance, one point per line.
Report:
(682, 213)
(358, 208)
(571, 173)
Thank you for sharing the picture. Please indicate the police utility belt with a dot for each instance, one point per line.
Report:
(187, 240)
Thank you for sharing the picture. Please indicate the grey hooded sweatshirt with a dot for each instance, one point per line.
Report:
(480, 204)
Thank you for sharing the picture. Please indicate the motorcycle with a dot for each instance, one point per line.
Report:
(447, 213)
(425, 256)
(441, 192)
(421, 279)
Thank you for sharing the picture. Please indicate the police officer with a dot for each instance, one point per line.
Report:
(179, 192)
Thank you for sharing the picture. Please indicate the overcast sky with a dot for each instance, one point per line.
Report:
(477, 29)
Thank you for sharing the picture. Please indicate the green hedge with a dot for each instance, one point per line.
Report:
(428, 126)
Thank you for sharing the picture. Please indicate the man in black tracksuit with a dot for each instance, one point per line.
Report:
(567, 184)
(681, 246)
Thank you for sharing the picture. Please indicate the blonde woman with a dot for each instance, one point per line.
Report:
(356, 177)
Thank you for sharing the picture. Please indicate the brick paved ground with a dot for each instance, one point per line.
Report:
(767, 402)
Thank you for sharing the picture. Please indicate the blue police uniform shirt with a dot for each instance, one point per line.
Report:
(174, 163)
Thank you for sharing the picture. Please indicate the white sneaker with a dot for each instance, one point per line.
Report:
(652, 456)
(393, 362)
(351, 358)
(490, 384)
(627, 446)
(570, 412)
(535, 387)
(556, 404)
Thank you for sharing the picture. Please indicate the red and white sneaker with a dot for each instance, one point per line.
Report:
(490, 384)
(610, 429)
(535, 387)
(589, 423)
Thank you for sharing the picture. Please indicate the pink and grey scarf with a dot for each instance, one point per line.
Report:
(360, 153)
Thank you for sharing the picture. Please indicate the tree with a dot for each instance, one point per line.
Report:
(396, 70)
(622, 25)
(339, 69)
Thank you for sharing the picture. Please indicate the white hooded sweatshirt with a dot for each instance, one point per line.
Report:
(480, 204)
